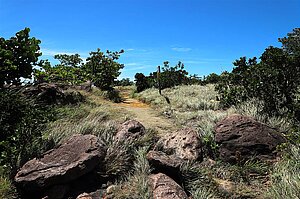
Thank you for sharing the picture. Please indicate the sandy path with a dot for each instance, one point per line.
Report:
(143, 113)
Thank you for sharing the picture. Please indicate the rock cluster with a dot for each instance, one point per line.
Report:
(72, 164)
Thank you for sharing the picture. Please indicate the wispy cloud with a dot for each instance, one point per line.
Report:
(132, 64)
(181, 49)
(129, 49)
(134, 68)
(50, 52)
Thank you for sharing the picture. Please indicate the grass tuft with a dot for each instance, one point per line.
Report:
(286, 176)
(135, 185)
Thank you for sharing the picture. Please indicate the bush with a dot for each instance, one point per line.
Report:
(21, 124)
(274, 80)
(17, 56)
(141, 82)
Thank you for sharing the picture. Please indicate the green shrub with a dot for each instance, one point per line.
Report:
(141, 82)
(274, 80)
(21, 125)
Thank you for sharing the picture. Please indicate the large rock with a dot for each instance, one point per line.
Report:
(241, 138)
(184, 144)
(159, 159)
(163, 187)
(53, 94)
(72, 159)
(167, 164)
(131, 129)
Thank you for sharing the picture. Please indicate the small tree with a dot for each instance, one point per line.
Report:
(212, 78)
(141, 82)
(173, 76)
(69, 71)
(17, 57)
(103, 68)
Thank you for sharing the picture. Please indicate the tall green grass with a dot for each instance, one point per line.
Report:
(135, 185)
(197, 106)
(286, 176)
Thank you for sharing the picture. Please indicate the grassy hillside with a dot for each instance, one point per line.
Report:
(198, 106)
(193, 106)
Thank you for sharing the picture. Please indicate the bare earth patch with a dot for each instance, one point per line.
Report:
(143, 113)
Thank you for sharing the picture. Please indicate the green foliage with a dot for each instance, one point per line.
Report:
(17, 56)
(169, 77)
(123, 82)
(141, 82)
(212, 78)
(274, 80)
(21, 123)
(103, 68)
(291, 43)
(173, 76)
(112, 95)
(69, 71)
(69, 60)
(7, 190)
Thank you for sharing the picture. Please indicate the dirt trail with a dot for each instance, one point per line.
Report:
(145, 114)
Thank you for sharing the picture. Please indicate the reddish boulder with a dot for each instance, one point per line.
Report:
(131, 129)
(167, 164)
(241, 138)
(74, 158)
(163, 187)
(184, 144)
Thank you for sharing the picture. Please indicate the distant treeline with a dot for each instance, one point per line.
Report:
(170, 77)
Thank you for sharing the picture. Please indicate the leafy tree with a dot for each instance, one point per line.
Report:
(69, 71)
(141, 82)
(173, 76)
(69, 60)
(212, 78)
(123, 82)
(195, 79)
(291, 43)
(17, 56)
(274, 80)
(103, 68)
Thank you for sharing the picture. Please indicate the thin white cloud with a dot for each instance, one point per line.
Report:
(180, 49)
(138, 68)
(50, 52)
(129, 49)
(132, 64)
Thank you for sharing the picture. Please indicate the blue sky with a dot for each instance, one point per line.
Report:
(206, 35)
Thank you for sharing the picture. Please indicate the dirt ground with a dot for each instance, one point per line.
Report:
(145, 114)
